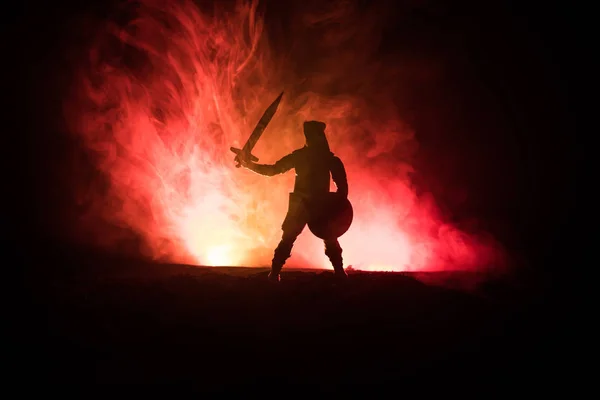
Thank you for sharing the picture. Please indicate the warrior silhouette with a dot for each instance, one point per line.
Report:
(314, 164)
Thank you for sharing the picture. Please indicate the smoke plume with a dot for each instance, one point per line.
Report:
(169, 86)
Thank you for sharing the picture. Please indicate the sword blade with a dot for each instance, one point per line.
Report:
(261, 125)
(245, 152)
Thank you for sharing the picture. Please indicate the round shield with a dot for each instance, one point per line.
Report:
(331, 216)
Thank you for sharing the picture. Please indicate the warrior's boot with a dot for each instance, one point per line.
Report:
(340, 273)
(333, 250)
(281, 254)
(274, 274)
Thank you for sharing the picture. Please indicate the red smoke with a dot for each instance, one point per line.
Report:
(166, 94)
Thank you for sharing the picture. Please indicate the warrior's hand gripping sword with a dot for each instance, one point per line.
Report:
(245, 153)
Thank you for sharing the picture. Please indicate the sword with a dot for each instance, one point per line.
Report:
(245, 152)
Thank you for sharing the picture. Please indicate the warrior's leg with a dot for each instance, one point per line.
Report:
(333, 250)
(283, 251)
(294, 224)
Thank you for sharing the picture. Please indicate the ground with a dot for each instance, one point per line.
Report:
(108, 320)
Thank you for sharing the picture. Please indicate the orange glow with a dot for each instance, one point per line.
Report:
(219, 256)
(161, 100)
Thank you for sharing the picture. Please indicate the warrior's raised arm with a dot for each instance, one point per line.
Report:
(283, 165)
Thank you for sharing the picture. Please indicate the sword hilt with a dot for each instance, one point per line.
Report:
(242, 154)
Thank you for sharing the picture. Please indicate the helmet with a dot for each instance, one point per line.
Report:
(314, 132)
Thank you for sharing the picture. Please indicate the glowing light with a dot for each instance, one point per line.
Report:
(160, 114)
(219, 256)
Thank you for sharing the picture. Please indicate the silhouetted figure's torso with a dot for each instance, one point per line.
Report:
(314, 169)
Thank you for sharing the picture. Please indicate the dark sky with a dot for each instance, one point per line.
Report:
(506, 106)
